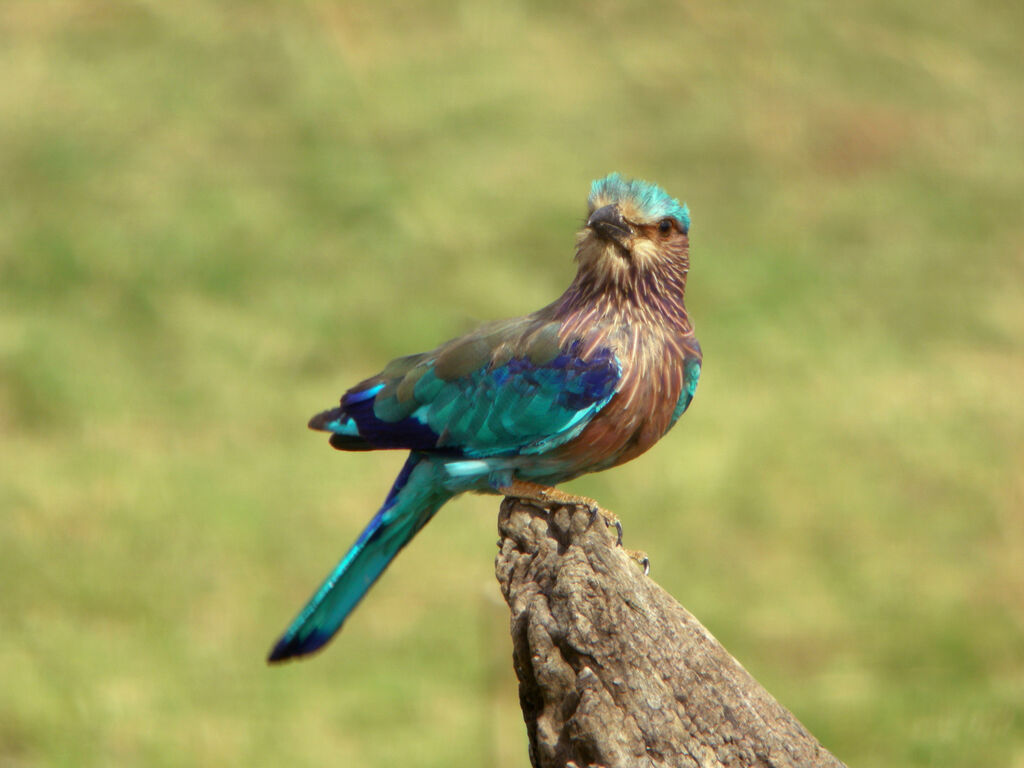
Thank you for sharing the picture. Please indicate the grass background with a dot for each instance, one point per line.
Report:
(215, 216)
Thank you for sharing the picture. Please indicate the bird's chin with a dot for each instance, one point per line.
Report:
(621, 250)
(617, 239)
(607, 257)
(612, 246)
(613, 249)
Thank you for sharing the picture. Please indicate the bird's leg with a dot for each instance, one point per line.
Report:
(544, 494)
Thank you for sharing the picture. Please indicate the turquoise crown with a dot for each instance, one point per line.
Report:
(652, 199)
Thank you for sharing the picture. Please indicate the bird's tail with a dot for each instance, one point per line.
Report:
(414, 498)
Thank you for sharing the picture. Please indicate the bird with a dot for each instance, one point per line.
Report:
(517, 406)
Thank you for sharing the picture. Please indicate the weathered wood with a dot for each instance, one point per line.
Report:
(613, 671)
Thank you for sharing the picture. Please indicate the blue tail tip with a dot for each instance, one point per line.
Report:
(293, 647)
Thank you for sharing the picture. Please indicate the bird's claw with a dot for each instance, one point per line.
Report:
(642, 558)
(609, 521)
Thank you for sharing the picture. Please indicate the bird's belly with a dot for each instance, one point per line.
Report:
(628, 426)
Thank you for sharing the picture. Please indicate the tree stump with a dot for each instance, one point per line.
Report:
(613, 671)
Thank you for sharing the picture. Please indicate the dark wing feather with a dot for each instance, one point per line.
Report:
(470, 399)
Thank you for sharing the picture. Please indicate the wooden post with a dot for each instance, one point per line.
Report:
(613, 671)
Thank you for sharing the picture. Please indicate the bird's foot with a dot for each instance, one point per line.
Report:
(610, 520)
(642, 558)
(545, 494)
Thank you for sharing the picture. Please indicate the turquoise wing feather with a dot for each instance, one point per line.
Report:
(467, 399)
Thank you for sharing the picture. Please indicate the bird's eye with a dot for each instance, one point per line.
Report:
(665, 226)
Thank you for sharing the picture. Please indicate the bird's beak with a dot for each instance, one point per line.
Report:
(608, 223)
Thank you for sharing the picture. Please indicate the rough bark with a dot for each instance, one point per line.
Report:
(613, 671)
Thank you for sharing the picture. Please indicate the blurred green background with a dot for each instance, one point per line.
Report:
(216, 216)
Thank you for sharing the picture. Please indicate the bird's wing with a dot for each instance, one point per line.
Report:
(691, 375)
(506, 392)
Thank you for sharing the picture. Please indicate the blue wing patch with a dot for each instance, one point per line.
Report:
(512, 408)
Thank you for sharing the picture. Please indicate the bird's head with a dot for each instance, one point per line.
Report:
(634, 232)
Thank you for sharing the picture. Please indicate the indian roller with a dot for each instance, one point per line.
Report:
(517, 406)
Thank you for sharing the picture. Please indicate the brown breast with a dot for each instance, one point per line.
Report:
(641, 411)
